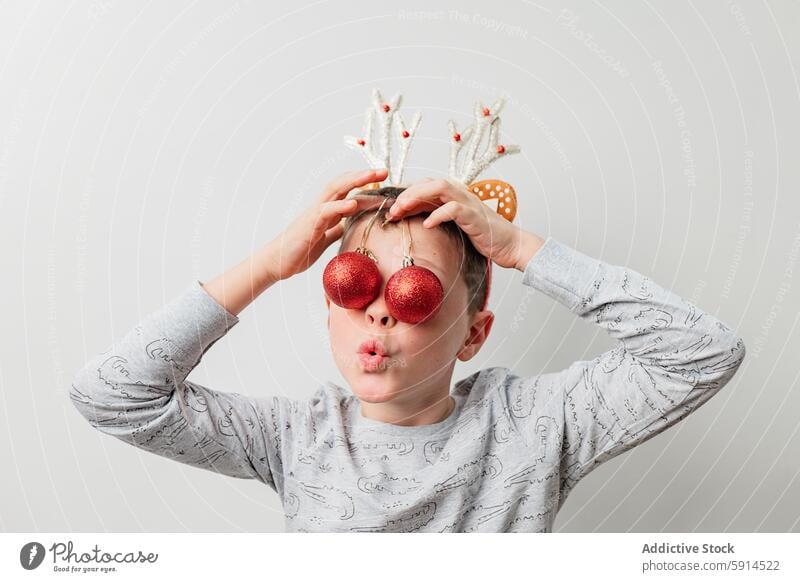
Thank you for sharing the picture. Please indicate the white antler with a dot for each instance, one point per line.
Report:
(387, 113)
(474, 163)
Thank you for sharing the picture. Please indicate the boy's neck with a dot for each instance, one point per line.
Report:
(396, 413)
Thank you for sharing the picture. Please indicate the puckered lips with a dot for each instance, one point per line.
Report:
(372, 355)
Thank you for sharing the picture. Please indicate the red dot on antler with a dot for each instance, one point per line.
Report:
(486, 112)
(501, 149)
(405, 133)
(361, 142)
(386, 107)
(457, 136)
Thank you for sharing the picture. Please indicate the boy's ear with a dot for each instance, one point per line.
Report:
(478, 333)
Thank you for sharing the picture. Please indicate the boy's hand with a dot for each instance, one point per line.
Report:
(304, 241)
(492, 235)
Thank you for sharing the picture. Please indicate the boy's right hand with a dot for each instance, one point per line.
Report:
(304, 241)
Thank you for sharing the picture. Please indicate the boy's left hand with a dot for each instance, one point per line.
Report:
(492, 235)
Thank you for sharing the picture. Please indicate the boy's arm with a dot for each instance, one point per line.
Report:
(670, 359)
(237, 287)
(137, 391)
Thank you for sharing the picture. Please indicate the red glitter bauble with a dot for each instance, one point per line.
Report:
(413, 294)
(351, 280)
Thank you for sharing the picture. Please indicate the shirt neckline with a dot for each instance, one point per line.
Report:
(360, 422)
(356, 422)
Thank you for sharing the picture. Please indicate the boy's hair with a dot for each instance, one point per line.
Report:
(473, 266)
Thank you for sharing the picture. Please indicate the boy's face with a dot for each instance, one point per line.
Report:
(421, 356)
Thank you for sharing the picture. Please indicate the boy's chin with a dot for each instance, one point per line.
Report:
(374, 398)
(374, 390)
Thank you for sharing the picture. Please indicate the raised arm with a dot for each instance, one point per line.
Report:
(670, 359)
(137, 391)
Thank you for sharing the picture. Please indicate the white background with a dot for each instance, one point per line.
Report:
(147, 144)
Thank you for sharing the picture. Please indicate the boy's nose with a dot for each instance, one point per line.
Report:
(377, 314)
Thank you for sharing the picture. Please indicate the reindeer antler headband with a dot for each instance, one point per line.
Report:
(497, 194)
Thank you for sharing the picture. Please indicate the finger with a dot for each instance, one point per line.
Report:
(370, 201)
(450, 211)
(339, 187)
(330, 213)
(334, 234)
(426, 196)
(469, 220)
(335, 210)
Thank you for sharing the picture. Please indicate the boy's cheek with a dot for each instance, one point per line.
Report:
(328, 307)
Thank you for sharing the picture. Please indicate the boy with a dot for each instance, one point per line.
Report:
(402, 452)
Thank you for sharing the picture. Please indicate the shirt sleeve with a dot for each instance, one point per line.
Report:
(671, 357)
(137, 392)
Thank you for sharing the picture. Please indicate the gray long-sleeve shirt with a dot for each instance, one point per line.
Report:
(504, 460)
